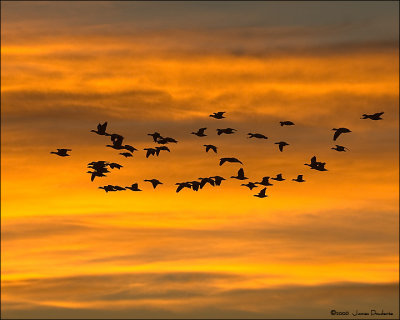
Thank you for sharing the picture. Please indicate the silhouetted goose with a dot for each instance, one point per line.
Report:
(210, 146)
(134, 187)
(375, 116)
(250, 185)
(118, 188)
(166, 140)
(154, 182)
(195, 185)
(217, 180)
(95, 174)
(338, 132)
(286, 123)
(115, 165)
(340, 148)
(126, 154)
(281, 145)
(232, 160)
(62, 152)
(129, 148)
(278, 177)
(261, 194)
(257, 135)
(101, 129)
(316, 165)
(299, 178)
(150, 151)
(158, 149)
(182, 185)
(155, 136)
(206, 180)
(108, 188)
(98, 165)
(200, 132)
(265, 182)
(226, 131)
(240, 175)
(218, 115)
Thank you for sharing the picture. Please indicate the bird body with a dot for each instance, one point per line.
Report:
(62, 152)
(240, 175)
(154, 182)
(126, 154)
(101, 129)
(182, 185)
(265, 182)
(339, 131)
(250, 185)
(261, 194)
(200, 132)
(257, 135)
(278, 177)
(340, 148)
(281, 145)
(299, 178)
(218, 115)
(217, 180)
(232, 160)
(286, 123)
(210, 146)
(375, 116)
(134, 187)
(226, 131)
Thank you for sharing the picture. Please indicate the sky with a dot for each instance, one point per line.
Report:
(70, 250)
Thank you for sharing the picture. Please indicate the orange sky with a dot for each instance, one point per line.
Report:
(71, 250)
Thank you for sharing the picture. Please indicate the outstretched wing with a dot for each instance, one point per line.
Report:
(222, 161)
(280, 147)
(336, 135)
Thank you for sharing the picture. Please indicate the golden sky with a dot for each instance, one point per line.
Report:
(69, 250)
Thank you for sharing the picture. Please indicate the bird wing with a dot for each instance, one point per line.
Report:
(222, 161)
(314, 160)
(280, 147)
(337, 134)
(262, 192)
(378, 114)
(214, 148)
(241, 172)
(180, 187)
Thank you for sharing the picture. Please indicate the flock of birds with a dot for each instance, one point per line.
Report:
(100, 168)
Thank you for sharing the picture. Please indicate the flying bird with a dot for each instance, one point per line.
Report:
(281, 145)
(261, 194)
(150, 151)
(217, 180)
(155, 136)
(338, 132)
(278, 177)
(232, 160)
(340, 148)
(210, 146)
(299, 178)
(206, 180)
(62, 152)
(286, 123)
(226, 131)
(375, 116)
(200, 132)
(240, 175)
(316, 165)
(95, 174)
(158, 149)
(182, 185)
(101, 129)
(134, 187)
(195, 185)
(218, 115)
(257, 135)
(129, 148)
(154, 182)
(113, 165)
(265, 182)
(250, 185)
(126, 154)
(108, 188)
(166, 140)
